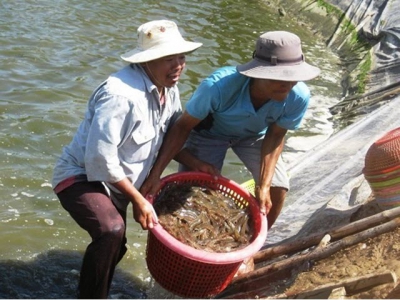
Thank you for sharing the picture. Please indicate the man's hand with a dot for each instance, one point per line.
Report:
(143, 211)
(263, 196)
(204, 167)
(150, 186)
(144, 214)
(185, 157)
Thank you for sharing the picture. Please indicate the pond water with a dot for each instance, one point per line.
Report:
(53, 54)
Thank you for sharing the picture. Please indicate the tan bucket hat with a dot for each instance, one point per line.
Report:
(158, 39)
(278, 56)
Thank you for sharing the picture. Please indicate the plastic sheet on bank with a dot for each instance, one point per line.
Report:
(332, 172)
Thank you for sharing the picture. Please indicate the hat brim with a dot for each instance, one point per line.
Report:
(138, 55)
(293, 72)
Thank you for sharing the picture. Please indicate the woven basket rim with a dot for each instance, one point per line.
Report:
(388, 136)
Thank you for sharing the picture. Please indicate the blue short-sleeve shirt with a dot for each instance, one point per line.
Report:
(223, 102)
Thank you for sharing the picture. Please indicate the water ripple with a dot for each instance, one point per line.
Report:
(53, 54)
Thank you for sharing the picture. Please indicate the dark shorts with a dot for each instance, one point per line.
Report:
(213, 151)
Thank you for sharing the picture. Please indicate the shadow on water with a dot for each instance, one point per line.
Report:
(55, 274)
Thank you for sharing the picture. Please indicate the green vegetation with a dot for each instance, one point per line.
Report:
(329, 9)
(342, 36)
(364, 68)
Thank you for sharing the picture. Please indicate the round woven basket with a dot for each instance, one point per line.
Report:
(382, 169)
(194, 273)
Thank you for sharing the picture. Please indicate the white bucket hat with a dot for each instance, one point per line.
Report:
(278, 56)
(158, 39)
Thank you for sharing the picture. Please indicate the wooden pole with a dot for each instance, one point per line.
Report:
(334, 290)
(317, 254)
(336, 233)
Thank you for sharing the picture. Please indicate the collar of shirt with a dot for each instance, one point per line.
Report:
(150, 86)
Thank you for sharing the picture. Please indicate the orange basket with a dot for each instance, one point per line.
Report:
(194, 273)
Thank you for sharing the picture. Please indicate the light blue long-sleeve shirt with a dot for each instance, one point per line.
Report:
(122, 130)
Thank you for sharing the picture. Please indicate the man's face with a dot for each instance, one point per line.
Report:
(166, 71)
(275, 89)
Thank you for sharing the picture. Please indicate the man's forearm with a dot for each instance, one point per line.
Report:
(171, 146)
(271, 150)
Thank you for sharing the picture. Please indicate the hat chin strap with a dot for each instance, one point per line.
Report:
(154, 79)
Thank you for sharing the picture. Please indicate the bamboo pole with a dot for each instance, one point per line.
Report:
(319, 253)
(338, 289)
(335, 234)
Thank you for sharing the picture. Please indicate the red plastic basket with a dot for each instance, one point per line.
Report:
(194, 273)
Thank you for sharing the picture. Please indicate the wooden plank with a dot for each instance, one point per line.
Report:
(352, 286)
(338, 293)
(357, 286)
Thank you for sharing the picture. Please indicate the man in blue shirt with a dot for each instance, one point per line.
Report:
(248, 108)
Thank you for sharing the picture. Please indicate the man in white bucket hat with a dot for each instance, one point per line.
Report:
(100, 171)
(248, 108)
